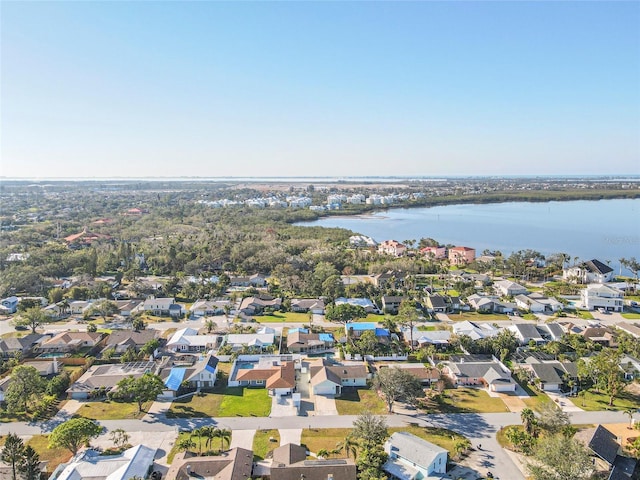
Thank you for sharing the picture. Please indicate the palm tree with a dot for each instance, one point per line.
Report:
(198, 432)
(209, 324)
(185, 444)
(225, 437)
(349, 445)
(629, 412)
(323, 453)
(528, 420)
(461, 446)
(209, 433)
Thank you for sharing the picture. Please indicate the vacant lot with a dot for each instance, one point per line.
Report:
(231, 402)
(593, 401)
(466, 400)
(477, 317)
(108, 410)
(354, 401)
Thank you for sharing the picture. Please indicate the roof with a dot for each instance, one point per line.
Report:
(69, 338)
(601, 441)
(139, 338)
(623, 468)
(247, 338)
(289, 453)
(133, 462)
(414, 449)
(236, 464)
(596, 266)
(109, 375)
(360, 326)
(175, 378)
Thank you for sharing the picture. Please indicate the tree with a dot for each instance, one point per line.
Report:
(552, 418)
(209, 324)
(369, 429)
(13, 453)
(225, 437)
(629, 413)
(528, 418)
(137, 324)
(398, 384)
(370, 462)
(461, 446)
(25, 390)
(142, 389)
(119, 437)
(30, 466)
(631, 264)
(609, 377)
(344, 313)
(349, 445)
(408, 317)
(185, 444)
(105, 308)
(560, 458)
(32, 317)
(150, 347)
(73, 434)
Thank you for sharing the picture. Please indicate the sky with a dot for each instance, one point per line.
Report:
(302, 88)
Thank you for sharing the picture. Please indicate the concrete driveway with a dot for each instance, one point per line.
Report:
(325, 405)
(242, 439)
(290, 435)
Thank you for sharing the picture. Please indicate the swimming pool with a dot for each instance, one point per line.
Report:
(52, 355)
(245, 365)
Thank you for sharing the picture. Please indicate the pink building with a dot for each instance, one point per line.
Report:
(434, 252)
(461, 255)
(392, 247)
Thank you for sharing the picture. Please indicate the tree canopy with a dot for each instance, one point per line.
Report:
(397, 384)
(74, 433)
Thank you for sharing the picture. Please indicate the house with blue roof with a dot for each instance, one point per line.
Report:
(299, 340)
(9, 304)
(353, 331)
(201, 374)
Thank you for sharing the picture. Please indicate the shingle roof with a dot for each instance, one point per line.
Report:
(414, 449)
(601, 441)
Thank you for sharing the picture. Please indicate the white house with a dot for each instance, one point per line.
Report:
(471, 370)
(537, 303)
(134, 462)
(257, 340)
(411, 457)
(162, 307)
(507, 288)
(188, 340)
(10, 304)
(600, 296)
(329, 379)
(591, 271)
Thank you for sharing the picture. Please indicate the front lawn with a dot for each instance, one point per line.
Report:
(231, 402)
(264, 442)
(536, 397)
(631, 316)
(440, 436)
(593, 401)
(477, 317)
(108, 410)
(280, 317)
(53, 456)
(466, 400)
(354, 401)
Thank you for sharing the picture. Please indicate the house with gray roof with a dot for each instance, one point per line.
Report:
(304, 305)
(234, 464)
(472, 370)
(551, 376)
(527, 332)
(290, 463)
(11, 346)
(591, 271)
(411, 457)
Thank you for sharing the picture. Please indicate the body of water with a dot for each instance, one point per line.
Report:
(604, 229)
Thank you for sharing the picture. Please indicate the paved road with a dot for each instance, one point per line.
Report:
(479, 428)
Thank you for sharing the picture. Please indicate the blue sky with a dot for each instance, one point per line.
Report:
(319, 88)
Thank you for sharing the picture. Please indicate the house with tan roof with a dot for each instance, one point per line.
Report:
(290, 463)
(235, 464)
(66, 342)
(328, 378)
(461, 255)
(302, 341)
(106, 377)
(257, 305)
(275, 373)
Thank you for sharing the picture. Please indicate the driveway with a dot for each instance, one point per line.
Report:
(282, 407)
(242, 439)
(290, 435)
(325, 405)
(563, 402)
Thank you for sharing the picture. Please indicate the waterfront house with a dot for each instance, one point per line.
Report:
(392, 247)
(461, 255)
(435, 253)
(598, 296)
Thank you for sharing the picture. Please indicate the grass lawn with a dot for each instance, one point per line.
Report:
(477, 317)
(597, 401)
(372, 317)
(466, 400)
(264, 442)
(584, 314)
(631, 316)
(354, 401)
(280, 317)
(536, 397)
(529, 316)
(231, 402)
(107, 410)
(53, 456)
(327, 438)
(214, 447)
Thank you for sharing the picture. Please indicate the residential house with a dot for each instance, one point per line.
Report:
(391, 303)
(10, 304)
(527, 333)
(421, 338)
(4, 385)
(127, 307)
(85, 238)
(163, 307)
(392, 279)
(208, 308)
(602, 297)
(123, 340)
(235, 464)
(392, 247)
(537, 303)
(258, 305)
(602, 335)
(632, 329)
(551, 375)
(188, 340)
(461, 255)
(474, 330)
(304, 305)
(435, 303)
(202, 374)
(435, 253)
(66, 342)
(80, 307)
(256, 280)
(472, 370)
(105, 377)
(259, 341)
(507, 288)
(605, 448)
(12, 346)
(353, 330)
(290, 463)
(55, 311)
(328, 378)
(275, 373)
(630, 366)
(486, 304)
(592, 271)
(365, 303)
(301, 341)
(411, 457)
(46, 368)
(135, 462)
